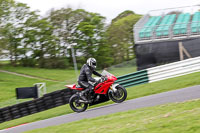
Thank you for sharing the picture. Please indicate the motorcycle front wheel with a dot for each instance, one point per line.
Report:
(119, 95)
(75, 105)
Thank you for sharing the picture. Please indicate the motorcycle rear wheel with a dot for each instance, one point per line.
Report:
(118, 96)
(75, 105)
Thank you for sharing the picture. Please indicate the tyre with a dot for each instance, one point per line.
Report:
(118, 96)
(75, 105)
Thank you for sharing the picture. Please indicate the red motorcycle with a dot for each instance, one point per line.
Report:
(107, 89)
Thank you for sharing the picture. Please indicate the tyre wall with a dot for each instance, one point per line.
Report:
(48, 101)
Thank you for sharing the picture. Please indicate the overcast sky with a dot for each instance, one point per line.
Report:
(108, 8)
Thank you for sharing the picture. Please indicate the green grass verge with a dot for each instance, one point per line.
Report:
(119, 71)
(67, 75)
(133, 92)
(8, 83)
(4, 62)
(170, 118)
(53, 74)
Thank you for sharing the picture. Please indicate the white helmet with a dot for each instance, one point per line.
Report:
(92, 63)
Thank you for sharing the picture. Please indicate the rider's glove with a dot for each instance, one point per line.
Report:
(100, 80)
(103, 78)
(97, 82)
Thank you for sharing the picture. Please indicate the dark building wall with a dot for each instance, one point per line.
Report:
(157, 53)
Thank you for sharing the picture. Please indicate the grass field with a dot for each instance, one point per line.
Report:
(169, 118)
(9, 82)
(122, 71)
(133, 92)
(53, 74)
(4, 62)
(67, 75)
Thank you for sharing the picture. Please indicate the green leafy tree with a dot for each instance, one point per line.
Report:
(12, 39)
(90, 34)
(120, 36)
(104, 55)
(2, 48)
(81, 27)
(31, 40)
(4, 12)
(13, 18)
(65, 21)
(10, 32)
(42, 41)
(28, 39)
(92, 40)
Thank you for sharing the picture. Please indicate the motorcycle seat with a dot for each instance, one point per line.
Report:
(78, 86)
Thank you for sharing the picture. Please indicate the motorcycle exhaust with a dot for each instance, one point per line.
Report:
(81, 101)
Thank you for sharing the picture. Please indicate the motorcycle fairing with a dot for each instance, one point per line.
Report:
(103, 88)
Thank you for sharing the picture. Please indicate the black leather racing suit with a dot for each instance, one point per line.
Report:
(85, 76)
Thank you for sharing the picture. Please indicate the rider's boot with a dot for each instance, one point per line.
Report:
(82, 95)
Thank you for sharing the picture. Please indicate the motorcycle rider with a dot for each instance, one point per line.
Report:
(86, 75)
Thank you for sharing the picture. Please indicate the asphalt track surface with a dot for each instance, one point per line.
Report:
(179, 95)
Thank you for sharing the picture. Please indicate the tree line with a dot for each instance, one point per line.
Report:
(31, 40)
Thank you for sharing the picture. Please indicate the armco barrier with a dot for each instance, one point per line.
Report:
(174, 69)
(132, 79)
(160, 72)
